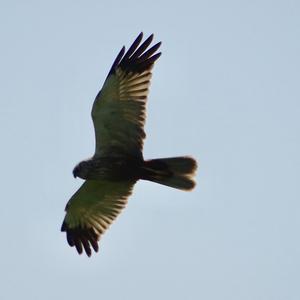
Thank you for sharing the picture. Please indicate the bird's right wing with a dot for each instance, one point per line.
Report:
(91, 210)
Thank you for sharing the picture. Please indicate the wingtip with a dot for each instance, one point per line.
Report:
(158, 44)
(150, 38)
(139, 38)
(157, 55)
(83, 239)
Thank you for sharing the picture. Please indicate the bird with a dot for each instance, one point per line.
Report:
(118, 114)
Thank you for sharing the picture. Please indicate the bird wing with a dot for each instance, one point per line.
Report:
(91, 210)
(119, 109)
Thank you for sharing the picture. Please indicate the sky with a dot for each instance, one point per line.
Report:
(225, 90)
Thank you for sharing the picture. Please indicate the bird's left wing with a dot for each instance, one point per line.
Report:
(119, 109)
(91, 210)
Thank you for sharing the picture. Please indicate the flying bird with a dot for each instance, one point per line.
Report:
(118, 115)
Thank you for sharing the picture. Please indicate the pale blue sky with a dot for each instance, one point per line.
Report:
(226, 90)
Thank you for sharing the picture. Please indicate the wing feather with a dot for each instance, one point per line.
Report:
(119, 109)
(91, 210)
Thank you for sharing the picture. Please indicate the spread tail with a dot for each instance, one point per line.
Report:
(176, 172)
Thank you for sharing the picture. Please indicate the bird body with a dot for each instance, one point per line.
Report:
(118, 114)
(109, 168)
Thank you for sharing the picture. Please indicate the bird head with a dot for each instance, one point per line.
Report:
(76, 171)
(82, 170)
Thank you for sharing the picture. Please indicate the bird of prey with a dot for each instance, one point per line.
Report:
(118, 115)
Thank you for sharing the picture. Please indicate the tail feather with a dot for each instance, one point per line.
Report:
(176, 172)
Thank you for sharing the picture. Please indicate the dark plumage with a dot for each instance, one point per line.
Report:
(119, 115)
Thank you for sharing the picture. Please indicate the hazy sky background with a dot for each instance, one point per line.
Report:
(226, 90)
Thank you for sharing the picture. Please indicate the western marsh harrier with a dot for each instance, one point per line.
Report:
(118, 113)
